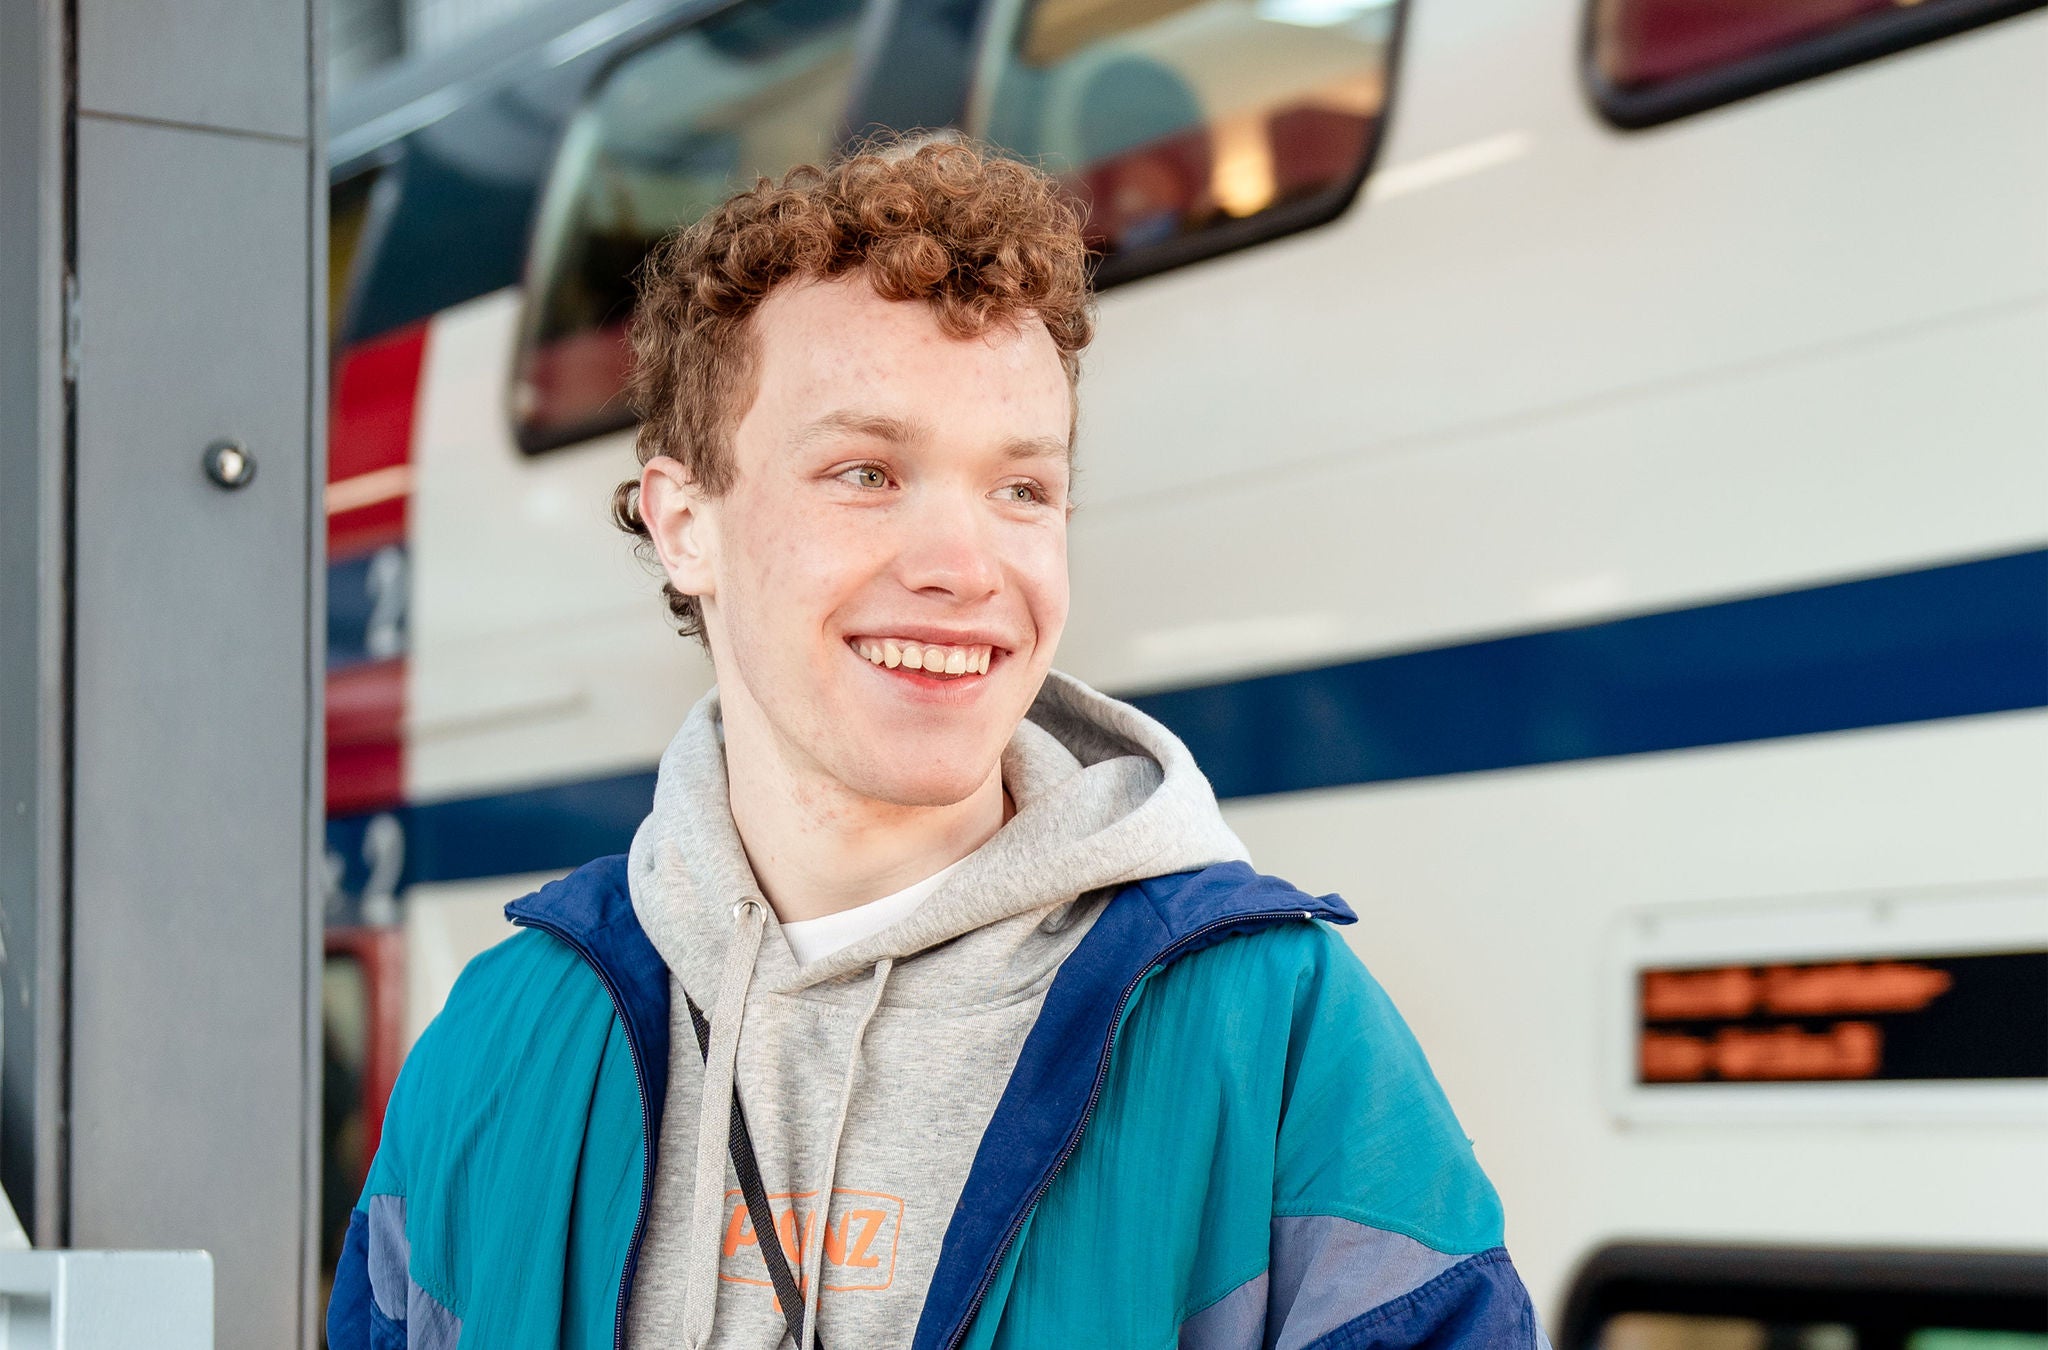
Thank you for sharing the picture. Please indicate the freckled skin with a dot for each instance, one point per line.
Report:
(854, 533)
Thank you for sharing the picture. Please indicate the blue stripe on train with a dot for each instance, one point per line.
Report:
(1944, 642)
(1941, 642)
(540, 829)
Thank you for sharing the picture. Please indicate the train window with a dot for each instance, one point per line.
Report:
(362, 1006)
(345, 1037)
(1648, 1297)
(1649, 61)
(351, 207)
(667, 133)
(1670, 1331)
(1675, 1331)
(1189, 127)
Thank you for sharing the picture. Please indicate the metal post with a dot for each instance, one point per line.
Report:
(162, 394)
(35, 513)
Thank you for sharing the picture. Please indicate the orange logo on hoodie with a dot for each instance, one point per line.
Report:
(860, 1238)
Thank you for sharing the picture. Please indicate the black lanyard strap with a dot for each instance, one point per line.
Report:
(758, 1211)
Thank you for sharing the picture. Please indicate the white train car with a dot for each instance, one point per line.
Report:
(1577, 474)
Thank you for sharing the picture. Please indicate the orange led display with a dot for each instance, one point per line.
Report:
(1833, 990)
(1734, 1054)
(1945, 1017)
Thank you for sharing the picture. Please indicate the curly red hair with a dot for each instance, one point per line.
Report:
(983, 240)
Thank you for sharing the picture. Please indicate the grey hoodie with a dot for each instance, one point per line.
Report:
(870, 1074)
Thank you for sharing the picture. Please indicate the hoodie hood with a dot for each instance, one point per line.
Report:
(1104, 796)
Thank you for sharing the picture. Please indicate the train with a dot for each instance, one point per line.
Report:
(1574, 471)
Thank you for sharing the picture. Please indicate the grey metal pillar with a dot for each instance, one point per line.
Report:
(162, 281)
(35, 513)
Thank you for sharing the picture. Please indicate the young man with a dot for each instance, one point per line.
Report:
(935, 1005)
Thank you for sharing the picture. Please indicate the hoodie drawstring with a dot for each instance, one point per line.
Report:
(714, 1124)
(814, 1239)
(714, 1137)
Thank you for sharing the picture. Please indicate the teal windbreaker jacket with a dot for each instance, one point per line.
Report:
(1219, 1136)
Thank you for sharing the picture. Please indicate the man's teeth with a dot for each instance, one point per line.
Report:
(925, 656)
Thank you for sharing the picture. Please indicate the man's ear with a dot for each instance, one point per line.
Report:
(683, 533)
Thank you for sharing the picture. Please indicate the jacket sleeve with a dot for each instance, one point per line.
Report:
(376, 1303)
(351, 1306)
(1386, 1234)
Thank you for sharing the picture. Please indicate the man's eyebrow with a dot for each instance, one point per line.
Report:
(879, 426)
(1036, 447)
(903, 431)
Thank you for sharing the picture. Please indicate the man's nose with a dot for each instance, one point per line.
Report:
(948, 549)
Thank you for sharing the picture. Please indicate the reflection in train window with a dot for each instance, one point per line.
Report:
(1668, 1331)
(1632, 1296)
(1675, 1331)
(672, 130)
(1652, 60)
(1188, 127)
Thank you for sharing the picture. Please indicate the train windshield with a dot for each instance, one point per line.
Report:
(670, 132)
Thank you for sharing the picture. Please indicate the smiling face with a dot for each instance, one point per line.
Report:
(885, 581)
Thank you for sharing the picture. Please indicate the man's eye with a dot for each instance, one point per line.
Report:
(867, 476)
(1025, 492)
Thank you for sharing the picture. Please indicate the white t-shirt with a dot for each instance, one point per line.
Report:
(815, 939)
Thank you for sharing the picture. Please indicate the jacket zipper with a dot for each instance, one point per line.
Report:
(646, 1113)
(988, 1276)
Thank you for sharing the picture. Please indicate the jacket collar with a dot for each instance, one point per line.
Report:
(591, 910)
